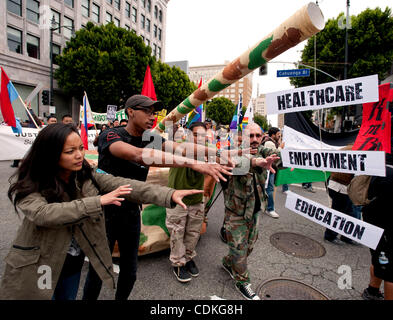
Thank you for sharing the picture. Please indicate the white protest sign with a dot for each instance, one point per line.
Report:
(327, 95)
(111, 112)
(370, 163)
(296, 140)
(15, 145)
(350, 227)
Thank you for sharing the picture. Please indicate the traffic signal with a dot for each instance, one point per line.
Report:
(263, 70)
(45, 97)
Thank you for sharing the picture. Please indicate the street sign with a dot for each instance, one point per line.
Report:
(293, 73)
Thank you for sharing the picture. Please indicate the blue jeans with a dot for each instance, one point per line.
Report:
(68, 283)
(270, 191)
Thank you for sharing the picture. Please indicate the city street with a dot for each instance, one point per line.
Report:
(156, 280)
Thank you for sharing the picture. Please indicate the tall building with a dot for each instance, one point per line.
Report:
(243, 86)
(260, 107)
(25, 38)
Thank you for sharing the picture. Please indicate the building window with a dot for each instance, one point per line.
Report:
(159, 53)
(148, 42)
(148, 25)
(86, 8)
(154, 49)
(109, 1)
(117, 4)
(160, 16)
(69, 24)
(155, 31)
(155, 12)
(128, 10)
(159, 34)
(117, 22)
(33, 10)
(108, 17)
(143, 3)
(69, 2)
(14, 37)
(56, 20)
(127, 28)
(134, 14)
(55, 52)
(149, 5)
(142, 21)
(33, 46)
(95, 13)
(15, 6)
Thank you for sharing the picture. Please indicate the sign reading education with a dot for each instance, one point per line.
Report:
(357, 162)
(293, 73)
(326, 95)
(350, 227)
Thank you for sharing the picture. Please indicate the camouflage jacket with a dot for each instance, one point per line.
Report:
(239, 195)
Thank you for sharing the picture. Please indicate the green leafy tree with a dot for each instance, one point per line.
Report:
(172, 85)
(370, 48)
(109, 63)
(261, 121)
(220, 110)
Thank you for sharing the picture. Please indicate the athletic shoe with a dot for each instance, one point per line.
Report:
(335, 241)
(349, 241)
(367, 295)
(272, 214)
(228, 269)
(246, 291)
(286, 192)
(182, 274)
(192, 268)
(223, 235)
(311, 189)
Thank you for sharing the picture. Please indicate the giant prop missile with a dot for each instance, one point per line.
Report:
(305, 23)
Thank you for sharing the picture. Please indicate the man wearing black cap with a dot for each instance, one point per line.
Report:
(127, 152)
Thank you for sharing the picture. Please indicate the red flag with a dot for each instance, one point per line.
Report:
(6, 96)
(84, 137)
(148, 89)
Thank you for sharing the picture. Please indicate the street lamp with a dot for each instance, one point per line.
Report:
(54, 28)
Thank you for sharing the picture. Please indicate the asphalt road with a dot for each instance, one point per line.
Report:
(156, 280)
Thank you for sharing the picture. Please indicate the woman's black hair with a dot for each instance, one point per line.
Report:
(39, 170)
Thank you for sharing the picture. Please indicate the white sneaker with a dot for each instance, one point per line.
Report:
(272, 214)
(286, 192)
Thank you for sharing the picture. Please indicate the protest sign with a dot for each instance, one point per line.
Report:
(350, 227)
(357, 162)
(326, 95)
(111, 112)
(15, 145)
(375, 132)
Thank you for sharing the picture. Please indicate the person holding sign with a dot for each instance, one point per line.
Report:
(128, 152)
(62, 199)
(244, 196)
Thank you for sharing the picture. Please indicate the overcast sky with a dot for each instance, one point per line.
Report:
(206, 32)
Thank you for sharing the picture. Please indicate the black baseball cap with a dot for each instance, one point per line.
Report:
(141, 101)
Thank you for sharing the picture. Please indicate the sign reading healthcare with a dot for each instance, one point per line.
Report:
(327, 95)
(293, 73)
(354, 229)
(357, 162)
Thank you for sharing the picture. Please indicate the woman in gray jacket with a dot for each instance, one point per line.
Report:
(62, 199)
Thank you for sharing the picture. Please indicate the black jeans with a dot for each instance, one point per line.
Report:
(123, 226)
(342, 203)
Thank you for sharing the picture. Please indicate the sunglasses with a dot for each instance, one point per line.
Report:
(257, 135)
(148, 112)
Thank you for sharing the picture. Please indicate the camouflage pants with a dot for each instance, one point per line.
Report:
(241, 236)
(184, 227)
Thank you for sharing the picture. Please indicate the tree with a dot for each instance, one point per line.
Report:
(109, 63)
(261, 121)
(172, 85)
(370, 48)
(220, 110)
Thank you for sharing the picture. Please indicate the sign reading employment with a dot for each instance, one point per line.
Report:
(293, 73)
(357, 162)
(350, 227)
(327, 95)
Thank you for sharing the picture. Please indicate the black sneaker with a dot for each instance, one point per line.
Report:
(228, 269)
(192, 268)
(366, 295)
(182, 274)
(223, 235)
(246, 291)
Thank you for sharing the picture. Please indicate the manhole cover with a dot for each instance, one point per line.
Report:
(297, 245)
(288, 289)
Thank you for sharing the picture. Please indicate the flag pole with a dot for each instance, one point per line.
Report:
(27, 110)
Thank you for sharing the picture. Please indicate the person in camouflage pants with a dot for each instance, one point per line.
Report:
(244, 197)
